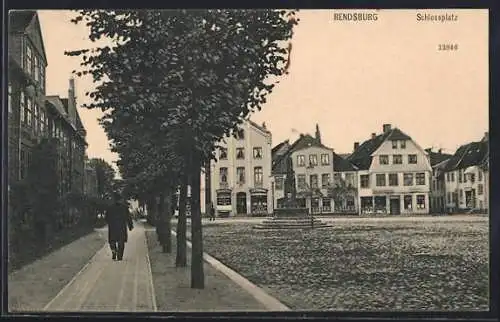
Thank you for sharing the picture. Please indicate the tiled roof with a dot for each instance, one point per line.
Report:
(362, 156)
(437, 157)
(20, 19)
(471, 154)
(341, 165)
(304, 141)
(280, 149)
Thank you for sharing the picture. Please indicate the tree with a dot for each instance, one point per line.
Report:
(105, 176)
(172, 73)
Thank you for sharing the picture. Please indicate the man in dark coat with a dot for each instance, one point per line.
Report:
(212, 212)
(118, 218)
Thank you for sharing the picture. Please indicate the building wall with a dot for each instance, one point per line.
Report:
(400, 191)
(253, 138)
(315, 206)
(456, 191)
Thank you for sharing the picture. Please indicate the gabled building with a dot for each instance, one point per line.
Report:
(31, 114)
(312, 163)
(438, 161)
(467, 178)
(345, 186)
(240, 179)
(394, 174)
(26, 90)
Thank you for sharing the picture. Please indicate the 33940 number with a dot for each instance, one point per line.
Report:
(445, 47)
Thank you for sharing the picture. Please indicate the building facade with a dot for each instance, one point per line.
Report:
(438, 162)
(467, 178)
(345, 186)
(32, 115)
(240, 179)
(394, 174)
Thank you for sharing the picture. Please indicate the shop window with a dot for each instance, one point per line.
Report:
(420, 201)
(408, 202)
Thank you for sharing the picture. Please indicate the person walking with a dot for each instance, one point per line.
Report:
(118, 218)
(212, 212)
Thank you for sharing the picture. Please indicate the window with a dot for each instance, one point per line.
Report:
(472, 178)
(240, 153)
(240, 134)
(22, 168)
(325, 159)
(453, 177)
(408, 202)
(29, 57)
(257, 153)
(460, 176)
(313, 159)
(365, 180)
(461, 195)
(36, 117)
(402, 144)
(393, 179)
(325, 180)
(408, 179)
(42, 76)
(480, 175)
(383, 159)
(447, 177)
(223, 199)
(28, 116)
(397, 159)
(412, 159)
(326, 204)
(9, 102)
(380, 180)
(394, 144)
(240, 174)
(448, 195)
(349, 179)
(258, 175)
(36, 69)
(223, 175)
(480, 189)
(301, 181)
(223, 154)
(279, 183)
(301, 160)
(465, 176)
(420, 201)
(313, 180)
(420, 179)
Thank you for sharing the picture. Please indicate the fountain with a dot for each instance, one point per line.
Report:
(291, 215)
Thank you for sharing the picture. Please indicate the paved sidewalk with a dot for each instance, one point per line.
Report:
(107, 285)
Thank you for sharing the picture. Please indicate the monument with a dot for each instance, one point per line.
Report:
(290, 215)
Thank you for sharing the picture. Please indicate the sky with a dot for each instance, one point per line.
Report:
(348, 77)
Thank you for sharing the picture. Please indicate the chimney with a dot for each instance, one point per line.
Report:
(373, 135)
(386, 128)
(356, 145)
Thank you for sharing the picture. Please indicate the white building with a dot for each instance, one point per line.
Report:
(240, 179)
(394, 174)
(467, 178)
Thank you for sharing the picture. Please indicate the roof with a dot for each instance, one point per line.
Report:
(470, 154)
(263, 129)
(342, 165)
(362, 156)
(345, 155)
(437, 157)
(20, 19)
(57, 103)
(280, 149)
(304, 141)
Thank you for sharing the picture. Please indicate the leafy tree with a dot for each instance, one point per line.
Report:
(172, 73)
(105, 176)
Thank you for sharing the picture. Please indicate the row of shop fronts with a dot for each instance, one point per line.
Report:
(254, 202)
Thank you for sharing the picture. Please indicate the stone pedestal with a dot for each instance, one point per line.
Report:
(291, 218)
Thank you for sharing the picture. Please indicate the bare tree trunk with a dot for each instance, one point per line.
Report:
(197, 274)
(208, 188)
(181, 258)
(167, 229)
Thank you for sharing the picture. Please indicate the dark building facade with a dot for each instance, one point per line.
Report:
(31, 114)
